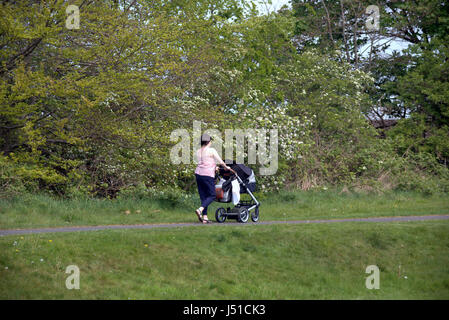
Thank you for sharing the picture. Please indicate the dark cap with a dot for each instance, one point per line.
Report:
(205, 137)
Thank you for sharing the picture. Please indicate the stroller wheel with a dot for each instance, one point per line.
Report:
(243, 215)
(255, 214)
(220, 215)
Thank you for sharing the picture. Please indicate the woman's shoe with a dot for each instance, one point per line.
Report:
(206, 221)
(198, 213)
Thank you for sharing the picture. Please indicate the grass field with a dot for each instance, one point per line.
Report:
(314, 261)
(311, 261)
(43, 211)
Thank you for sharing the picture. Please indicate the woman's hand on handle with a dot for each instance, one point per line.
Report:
(229, 169)
(225, 166)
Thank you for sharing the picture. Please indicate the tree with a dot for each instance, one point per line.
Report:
(408, 83)
(93, 107)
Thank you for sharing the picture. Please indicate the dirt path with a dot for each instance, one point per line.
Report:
(197, 224)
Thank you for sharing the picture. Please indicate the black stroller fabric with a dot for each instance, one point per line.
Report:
(251, 187)
(243, 172)
(226, 185)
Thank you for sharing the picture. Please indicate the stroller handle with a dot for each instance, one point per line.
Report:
(229, 169)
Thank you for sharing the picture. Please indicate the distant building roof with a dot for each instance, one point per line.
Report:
(383, 123)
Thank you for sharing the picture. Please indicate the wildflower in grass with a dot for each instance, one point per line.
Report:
(41, 260)
(6, 268)
(146, 245)
(50, 241)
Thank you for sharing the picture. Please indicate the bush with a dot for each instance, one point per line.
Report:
(422, 172)
(10, 182)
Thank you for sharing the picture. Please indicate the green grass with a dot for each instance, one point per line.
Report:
(313, 261)
(43, 211)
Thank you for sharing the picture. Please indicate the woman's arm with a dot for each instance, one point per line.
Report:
(218, 159)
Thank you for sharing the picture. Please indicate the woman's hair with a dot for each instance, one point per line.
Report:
(205, 139)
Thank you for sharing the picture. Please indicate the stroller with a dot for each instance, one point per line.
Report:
(245, 178)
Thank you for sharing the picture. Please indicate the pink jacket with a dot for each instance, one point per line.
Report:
(206, 161)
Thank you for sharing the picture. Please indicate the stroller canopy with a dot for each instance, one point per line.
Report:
(243, 171)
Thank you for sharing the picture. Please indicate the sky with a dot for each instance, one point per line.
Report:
(275, 5)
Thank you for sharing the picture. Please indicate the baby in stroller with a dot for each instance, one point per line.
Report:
(238, 180)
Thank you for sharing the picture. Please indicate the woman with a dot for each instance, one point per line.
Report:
(205, 175)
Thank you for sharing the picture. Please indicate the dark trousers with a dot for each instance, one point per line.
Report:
(206, 189)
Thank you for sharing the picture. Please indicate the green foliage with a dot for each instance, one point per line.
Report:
(417, 135)
(411, 85)
(10, 183)
(422, 173)
(96, 116)
(90, 111)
